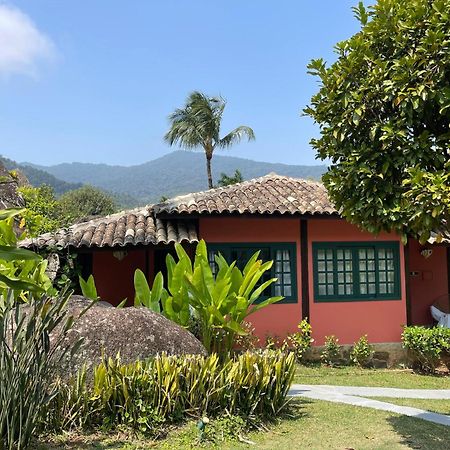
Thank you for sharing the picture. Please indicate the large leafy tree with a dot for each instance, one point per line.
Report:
(384, 113)
(197, 125)
(84, 203)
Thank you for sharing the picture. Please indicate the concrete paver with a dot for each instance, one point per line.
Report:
(353, 395)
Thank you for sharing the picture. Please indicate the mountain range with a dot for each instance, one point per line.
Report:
(176, 173)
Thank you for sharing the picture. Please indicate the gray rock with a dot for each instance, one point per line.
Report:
(134, 333)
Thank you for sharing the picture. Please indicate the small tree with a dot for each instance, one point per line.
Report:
(41, 214)
(384, 111)
(226, 180)
(84, 203)
(198, 123)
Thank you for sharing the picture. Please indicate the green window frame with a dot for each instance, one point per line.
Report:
(356, 271)
(283, 255)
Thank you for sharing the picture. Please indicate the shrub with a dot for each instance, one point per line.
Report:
(166, 389)
(300, 341)
(426, 345)
(361, 352)
(27, 363)
(331, 350)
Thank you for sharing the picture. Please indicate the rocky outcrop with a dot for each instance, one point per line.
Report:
(134, 333)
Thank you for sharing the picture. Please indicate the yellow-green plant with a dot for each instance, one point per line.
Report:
(21, 271)
(223, 301)
(168, 389)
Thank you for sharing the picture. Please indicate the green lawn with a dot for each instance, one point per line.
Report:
(354, 376)
(314, 424)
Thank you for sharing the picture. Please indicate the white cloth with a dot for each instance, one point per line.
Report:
(440, 317)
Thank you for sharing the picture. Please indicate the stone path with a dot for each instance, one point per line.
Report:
(353, 395)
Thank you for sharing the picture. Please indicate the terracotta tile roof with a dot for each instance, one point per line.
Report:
(138, 226)
(266, 195)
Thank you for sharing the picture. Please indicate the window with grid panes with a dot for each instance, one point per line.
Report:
(345, 271)
(283, 268)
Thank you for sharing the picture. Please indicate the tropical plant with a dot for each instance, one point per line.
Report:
(224, 300)
(361, 352)
(21, 270)
(331, 350)
(167, 389)
(226, 180)
(383, 109)
(28, 358)
(88, 288)
(146, 297)
(198, 123)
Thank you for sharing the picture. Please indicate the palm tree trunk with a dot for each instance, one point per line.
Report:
(208, 171)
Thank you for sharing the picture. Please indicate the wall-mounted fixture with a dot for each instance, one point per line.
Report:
(426, 252)
(120, 254)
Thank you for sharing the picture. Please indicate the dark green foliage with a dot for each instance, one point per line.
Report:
(197, 125)
(384, 111)
(427, 345)
(168, 389)
(226, 180)
(85, 203)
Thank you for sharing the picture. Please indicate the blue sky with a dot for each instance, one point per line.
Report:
(99, 77)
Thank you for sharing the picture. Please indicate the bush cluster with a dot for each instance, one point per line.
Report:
(167, 389)
(429, 347)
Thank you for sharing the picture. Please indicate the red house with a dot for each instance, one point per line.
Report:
(346, 281)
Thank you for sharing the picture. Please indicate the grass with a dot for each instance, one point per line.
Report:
(311, 424)
(355, 376)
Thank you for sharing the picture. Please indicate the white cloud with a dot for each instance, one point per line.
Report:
(22, 45)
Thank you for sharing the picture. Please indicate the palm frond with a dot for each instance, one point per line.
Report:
(236, 135)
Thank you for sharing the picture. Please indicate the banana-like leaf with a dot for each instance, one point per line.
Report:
(88, 288)
(20, 285)
(142, 289)
(11, 253)
(10, 212)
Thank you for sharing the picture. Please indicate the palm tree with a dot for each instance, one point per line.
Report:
(198, 125)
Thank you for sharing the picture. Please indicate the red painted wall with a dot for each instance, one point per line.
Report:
(276, 319)
(428, 282)
(115, 279)
(381, 320)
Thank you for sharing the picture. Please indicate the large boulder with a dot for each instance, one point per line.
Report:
(135, 333)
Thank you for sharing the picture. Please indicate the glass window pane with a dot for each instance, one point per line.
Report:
(286, 266)
(372, 289)
(322, 289)
(349, 289)
(320, 254)
(330, 278)
(330, 289)
(391, 288)
(341, 289)
(321, 266)
(383, 288)
(322, 278)
(363, 289)
(287, 278)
